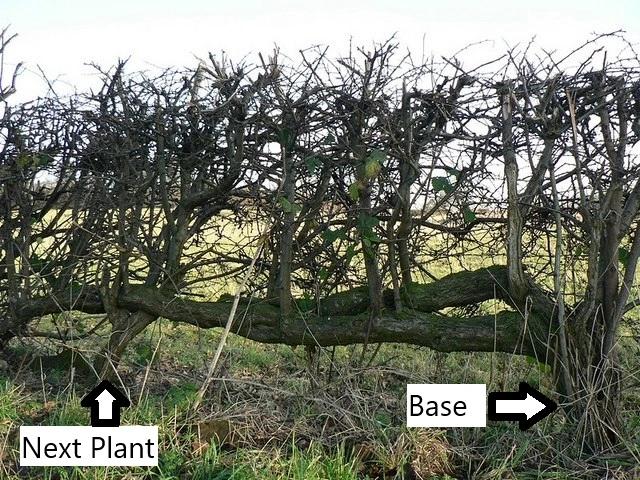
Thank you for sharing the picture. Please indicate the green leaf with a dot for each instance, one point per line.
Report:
(329, 139)
(332, 235)
(313, 163)
(371, 169)
(373, 164)
(441, 184)
(42, 159)
(468, 215)
(623, 256)
(323, 274)
(350, 253)
(288, 207)
(354, 191)
(287, 138)
(367, 222)
(24, 160)
(36, 263)
(305, 304)
(374, 238)
(383, 418)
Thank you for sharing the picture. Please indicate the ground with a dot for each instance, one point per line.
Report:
(278, 413)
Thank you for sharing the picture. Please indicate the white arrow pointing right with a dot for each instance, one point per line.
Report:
(105, 405)
(529, 406)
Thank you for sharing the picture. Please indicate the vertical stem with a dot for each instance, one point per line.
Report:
(393, 268)
(558, 283)
(286, 240)
(517, 285)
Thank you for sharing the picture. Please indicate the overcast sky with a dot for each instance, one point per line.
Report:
(62, 35)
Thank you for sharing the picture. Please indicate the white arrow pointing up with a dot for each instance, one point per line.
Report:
(530, 406)
(105, 409)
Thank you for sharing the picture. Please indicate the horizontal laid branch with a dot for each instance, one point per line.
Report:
(343, 316)
(263, 323)
(87, 300)
(454, 290)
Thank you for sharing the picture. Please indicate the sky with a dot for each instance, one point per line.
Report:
(62, 36)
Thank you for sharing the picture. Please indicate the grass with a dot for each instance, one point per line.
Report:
(288, 420)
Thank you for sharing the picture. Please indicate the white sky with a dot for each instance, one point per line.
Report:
(62, 35)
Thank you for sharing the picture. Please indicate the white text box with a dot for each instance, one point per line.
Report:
(133, 445)
(446, 405)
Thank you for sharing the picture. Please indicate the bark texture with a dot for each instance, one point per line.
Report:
(343, 318)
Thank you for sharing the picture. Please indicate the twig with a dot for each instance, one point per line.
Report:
(227, 328)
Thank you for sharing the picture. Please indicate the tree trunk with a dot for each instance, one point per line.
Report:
(125, 327)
